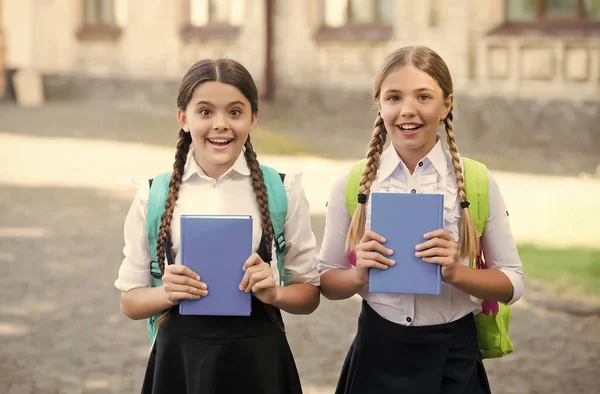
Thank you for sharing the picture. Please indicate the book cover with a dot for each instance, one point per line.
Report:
(403, 219)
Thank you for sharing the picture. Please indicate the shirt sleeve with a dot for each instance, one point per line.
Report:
(300, 260)
(499, 246)
(337, 223)
(135, 268)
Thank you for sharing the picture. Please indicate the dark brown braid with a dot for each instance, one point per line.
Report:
(183, 147)
(260, 190)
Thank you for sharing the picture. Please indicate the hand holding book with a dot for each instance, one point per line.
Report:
(370, 253)
(258, 278)
(181, 283)
(440, 248)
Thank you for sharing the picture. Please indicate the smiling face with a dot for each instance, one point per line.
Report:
(219, 118)
(412, 105)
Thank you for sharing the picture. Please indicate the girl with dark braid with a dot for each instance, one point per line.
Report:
(417, 343)
(216, 171)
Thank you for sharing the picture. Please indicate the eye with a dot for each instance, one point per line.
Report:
(235, 112)
(424, 97)
(393, 98)
(205, 112)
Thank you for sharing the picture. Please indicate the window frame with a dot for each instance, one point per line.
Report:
(211, 30)
(98, 31)
(352, 31)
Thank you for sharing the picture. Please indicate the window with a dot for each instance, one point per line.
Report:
(553, 11)
(356, 19)
(100, 19)
(214, 18)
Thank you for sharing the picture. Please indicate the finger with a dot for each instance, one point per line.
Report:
(254, 259)
(263, 285)
(186, 289)
(373, 245)
(371, 264)
(443, 252)
(245, 280)
(372, 235)
(376, 257)
(255, 278)
(179, 269)
(439, 233)
(439, 242)
(185, 280)
(438, 260)
(176, 297)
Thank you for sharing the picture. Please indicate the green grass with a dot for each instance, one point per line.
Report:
(573, 272)
(272, 143)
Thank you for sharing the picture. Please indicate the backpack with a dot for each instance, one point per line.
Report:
(493, 323)
(159, 189)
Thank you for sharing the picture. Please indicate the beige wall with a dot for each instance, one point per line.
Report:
(43, 37)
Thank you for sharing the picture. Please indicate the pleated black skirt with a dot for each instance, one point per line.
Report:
(388, 358)
(221, 355)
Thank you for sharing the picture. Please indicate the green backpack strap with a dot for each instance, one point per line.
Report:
(353, 184)
(159, 189)
(476, 185)
(278, 205)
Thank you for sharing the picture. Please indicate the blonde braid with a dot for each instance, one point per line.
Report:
(357, 226)
(468, 235)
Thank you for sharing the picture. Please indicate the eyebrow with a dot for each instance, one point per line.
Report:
(416, 90)
(212, 105)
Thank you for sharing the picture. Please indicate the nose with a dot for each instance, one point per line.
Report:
(219, 123)
(407, 109)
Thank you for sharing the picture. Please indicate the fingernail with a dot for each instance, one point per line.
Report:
(390, 251)
(393, 262)
(197, 278)
(241, 287)
(383, 240)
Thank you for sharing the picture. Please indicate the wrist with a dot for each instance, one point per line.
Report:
(457, 276)
(357, 282)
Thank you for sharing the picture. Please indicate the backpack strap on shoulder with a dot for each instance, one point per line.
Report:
(353, 185)
(278, 205)
(159, 189)
(476, 184)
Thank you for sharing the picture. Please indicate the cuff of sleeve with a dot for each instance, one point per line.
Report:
(517, 283)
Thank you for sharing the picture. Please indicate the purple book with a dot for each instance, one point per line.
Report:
(216, 248)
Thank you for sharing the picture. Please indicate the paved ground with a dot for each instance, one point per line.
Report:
(61, 221)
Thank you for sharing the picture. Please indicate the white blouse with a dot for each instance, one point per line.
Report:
(233, 194)
(434, 174)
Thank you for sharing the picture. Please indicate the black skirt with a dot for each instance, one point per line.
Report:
(221, 355)
(386, 357)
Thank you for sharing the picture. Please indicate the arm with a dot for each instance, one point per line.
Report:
(138, 299)
(144, 302)
(503, 280)
(298, 298)
(340, 283)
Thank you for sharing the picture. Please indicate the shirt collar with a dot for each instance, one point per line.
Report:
(390, 160)
(191, 167)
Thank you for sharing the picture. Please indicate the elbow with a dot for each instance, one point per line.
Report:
(127, 309)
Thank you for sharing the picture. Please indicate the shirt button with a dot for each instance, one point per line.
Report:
(420, 164)
(214, 185)
(413, 191)
(408, 319)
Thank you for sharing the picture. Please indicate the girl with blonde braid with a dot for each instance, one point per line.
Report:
(417, 343)
(216, 172)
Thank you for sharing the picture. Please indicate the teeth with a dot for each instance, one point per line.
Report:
(219, 141)
(409, 127)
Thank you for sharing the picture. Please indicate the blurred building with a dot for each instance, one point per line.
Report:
(528, 65)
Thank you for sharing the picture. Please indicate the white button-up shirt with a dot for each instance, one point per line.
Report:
(232, 194)
(433, 174)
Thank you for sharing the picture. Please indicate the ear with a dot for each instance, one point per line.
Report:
(182, 120)
(448, 103)
(253, 121)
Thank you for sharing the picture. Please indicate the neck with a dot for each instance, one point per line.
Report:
(212, 170)
(411, 157)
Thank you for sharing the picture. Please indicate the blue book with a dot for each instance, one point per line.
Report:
(403, 219)
(216, 248)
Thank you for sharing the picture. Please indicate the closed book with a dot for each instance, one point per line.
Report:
(216, 248)
(402, 219)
